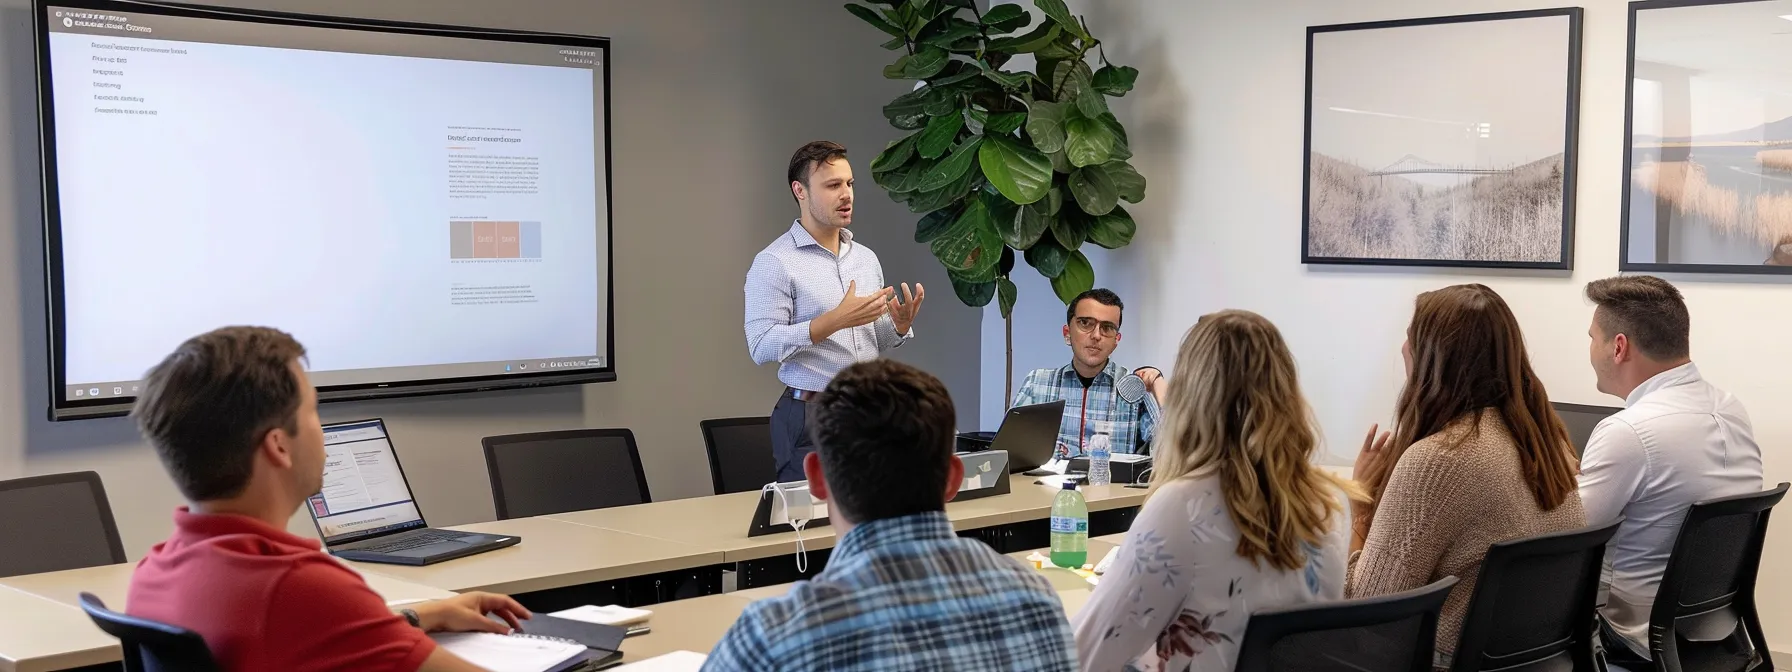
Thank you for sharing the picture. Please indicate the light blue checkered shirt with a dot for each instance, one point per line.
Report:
(901, 594)
(1132, 426)
(795, 280)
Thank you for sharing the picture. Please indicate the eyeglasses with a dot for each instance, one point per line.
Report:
(1087, 325)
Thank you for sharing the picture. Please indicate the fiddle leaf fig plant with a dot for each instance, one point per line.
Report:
(1002, 165)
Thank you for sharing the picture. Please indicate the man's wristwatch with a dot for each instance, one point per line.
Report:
(410, 616)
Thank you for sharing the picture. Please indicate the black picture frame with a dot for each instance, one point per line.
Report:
(1625, 178)
(1570, 149)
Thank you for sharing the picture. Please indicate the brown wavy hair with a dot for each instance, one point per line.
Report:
(1235, 407)
(1468, 355)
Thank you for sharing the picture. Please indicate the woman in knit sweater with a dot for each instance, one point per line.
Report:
(1477, 457)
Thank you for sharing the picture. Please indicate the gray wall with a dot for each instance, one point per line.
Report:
(709, 99)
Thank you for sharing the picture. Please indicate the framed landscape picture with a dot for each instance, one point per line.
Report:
(1708, 165)
(1445, 141)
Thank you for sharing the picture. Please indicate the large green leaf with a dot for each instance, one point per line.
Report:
(899, 69)
(1094, 190)
(938, 102)
(1038, 38)
(1006, 18)
(964, 73)
(1122, 146)
(1078, 277)
(1020, 172)
(908, 111)
(1088, 142)
(1061, 163)
(934, 225)
(933, 200)
(1009, 81)
(970, 246)
(953, 167)
(939, 135)
(1045, 125)
(927, 62)
(1113, 230)
(1047, 258)
(1004, 123)
(1026, 226)
(1070, 228)
(871, 16)
(1055, 200)
(1006, 294)
(1057, 11)
(973, 294)
(896, 154)
(895, 43)
(906, 179)
(947, 35)
(1002, 212)
(1115, 80)
(1127, 181)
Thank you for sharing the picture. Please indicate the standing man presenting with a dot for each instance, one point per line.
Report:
(816, 300)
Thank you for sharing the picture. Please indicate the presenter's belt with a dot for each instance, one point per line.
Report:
(804, 396)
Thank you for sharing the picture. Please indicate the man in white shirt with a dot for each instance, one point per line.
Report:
(1679, 440)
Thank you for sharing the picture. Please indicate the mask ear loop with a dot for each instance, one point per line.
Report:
(802, 551)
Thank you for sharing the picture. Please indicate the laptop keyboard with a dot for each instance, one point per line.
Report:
(414, 541)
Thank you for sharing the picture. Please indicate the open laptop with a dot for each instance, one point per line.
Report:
(1030, 435)
(1581, 419)
(365, 511)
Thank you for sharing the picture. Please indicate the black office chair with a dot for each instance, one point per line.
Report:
(556, 472)
(150, 646)
(1390, 633)
(56, 522)
(1704, 616)
(1534, 605)
(740, 453)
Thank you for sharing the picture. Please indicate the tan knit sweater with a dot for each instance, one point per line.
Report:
(1444, 505)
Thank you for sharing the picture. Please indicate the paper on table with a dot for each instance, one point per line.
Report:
(609, 614)
(506, 653)
(676, 661)
(1128, 458)
(1058, 481)
(1056, 466)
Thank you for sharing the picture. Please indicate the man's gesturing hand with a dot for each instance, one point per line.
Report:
(853, 311)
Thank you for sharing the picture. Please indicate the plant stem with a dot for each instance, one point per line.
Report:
(1008, 381)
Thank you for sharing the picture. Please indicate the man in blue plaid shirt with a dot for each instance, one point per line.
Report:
(901, 591)
(1092, 404)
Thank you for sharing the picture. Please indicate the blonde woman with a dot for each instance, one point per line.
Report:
(1239, 519)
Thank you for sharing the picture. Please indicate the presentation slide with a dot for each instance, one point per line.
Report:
(364, 491)
(410, 207)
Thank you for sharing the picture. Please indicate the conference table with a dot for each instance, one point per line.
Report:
(43, 628)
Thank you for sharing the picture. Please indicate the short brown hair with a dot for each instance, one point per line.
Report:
(885, 431)
(807, 157)
(1648, 311)
(206, 406)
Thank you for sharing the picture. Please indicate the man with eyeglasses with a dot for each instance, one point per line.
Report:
(1090, 384)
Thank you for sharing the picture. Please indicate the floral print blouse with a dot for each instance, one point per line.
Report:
(1177, 596)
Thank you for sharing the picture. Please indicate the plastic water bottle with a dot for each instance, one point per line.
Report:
(1100, 454)
(1070, 528)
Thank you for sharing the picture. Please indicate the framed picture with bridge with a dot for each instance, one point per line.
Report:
(1443, 141)
(1708, 162)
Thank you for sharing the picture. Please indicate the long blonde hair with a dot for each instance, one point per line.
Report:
(1234, 406)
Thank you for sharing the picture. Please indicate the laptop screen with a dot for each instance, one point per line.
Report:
(364, 493)
(1580, 420)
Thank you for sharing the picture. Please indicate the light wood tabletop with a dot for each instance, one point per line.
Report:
(695, 624)
(553, 554)
(43, 634)
(719, 523)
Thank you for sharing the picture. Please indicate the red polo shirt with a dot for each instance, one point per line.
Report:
(265, 599)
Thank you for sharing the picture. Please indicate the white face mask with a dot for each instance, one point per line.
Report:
(796, 507)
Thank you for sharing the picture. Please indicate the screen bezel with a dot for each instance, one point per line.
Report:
(63, 408)
(422, 521)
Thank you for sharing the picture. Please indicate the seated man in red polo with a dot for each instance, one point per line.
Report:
(233, 418)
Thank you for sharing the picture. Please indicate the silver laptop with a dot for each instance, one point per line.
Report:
(365, 511)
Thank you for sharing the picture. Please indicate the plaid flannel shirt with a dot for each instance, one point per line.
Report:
(906, 594)
(1131, 426)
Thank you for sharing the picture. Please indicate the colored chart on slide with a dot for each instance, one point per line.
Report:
(494, 240)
